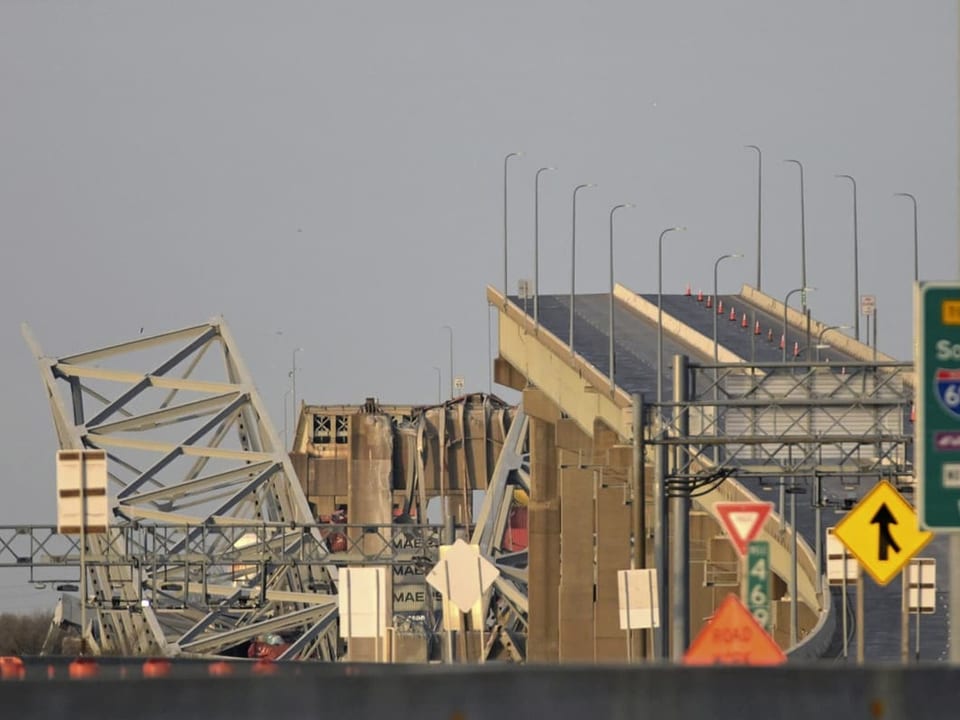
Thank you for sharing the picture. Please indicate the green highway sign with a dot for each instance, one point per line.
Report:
(758, 582)
(937, 431)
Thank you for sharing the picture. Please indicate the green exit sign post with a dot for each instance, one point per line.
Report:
(937, 432)
(758, 582)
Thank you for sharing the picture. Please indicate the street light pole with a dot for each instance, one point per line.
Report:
(856, 261)
(573, 259)
(824, 332)
(286, 415)
(759, 207)
(610, 328)
(716, 265)
(506, 160)
(786, 302)
(916, 240)
(450, 329)
(293, 377)
(660, 311)
(536, 244)
(439, 398)
(803, 236)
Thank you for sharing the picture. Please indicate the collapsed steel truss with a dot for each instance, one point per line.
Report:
(214, 543)
(191, 452)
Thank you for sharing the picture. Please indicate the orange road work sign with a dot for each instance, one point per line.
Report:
(733, 637)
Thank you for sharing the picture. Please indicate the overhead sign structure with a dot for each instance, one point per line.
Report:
(882, 532)
(938, 406)
(733, 637)
(463, 575)
(638, 599)
(742, 521)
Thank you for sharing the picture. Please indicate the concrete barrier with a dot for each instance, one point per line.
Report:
(498, 692)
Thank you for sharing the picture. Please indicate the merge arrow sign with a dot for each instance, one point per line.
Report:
(882, 532)
(883, 519)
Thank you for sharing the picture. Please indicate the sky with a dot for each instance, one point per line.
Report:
(329, 176)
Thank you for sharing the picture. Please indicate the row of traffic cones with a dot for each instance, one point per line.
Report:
(744, 322)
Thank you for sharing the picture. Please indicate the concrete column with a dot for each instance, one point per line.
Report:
(370, 498)
(543, 637)
(576, 547)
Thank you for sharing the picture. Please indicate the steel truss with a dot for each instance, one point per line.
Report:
(192, 458)
(509, 599)
(791, 420)
(213, 541)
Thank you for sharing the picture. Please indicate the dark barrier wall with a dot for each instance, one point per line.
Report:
(556, 693)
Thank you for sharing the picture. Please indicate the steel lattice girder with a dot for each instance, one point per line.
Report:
(795, 420)
(189, 446)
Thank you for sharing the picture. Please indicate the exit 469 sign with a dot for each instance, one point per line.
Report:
(937, 440)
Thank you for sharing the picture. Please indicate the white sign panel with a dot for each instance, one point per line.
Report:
(837, 557)
(463, 575)
(922, 585)
(868, 304)
(82, 501)
(363, 602)
(639, 603)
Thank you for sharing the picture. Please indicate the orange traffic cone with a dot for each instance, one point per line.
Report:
(733, 315)
(743, 323)
(756, 328)
(709, 301)
(700, 296)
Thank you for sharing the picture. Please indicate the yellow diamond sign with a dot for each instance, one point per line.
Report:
(882, 532)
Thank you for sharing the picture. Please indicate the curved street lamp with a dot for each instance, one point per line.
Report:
(824, 332)
(786, 305)
(716, 265)
(916, 242)
(506, 160)
(536, 244)
(856, 261)
(803, 235)
(759, 205)
(660, 310)
(573, 258)
(613, 387)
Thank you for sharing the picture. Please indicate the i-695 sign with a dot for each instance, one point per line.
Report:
(937, 441)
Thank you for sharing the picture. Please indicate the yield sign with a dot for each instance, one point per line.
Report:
(733, 637)
(882, 531)
(742, 521)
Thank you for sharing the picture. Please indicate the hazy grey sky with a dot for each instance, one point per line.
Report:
(333, 170)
